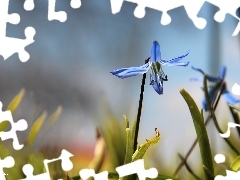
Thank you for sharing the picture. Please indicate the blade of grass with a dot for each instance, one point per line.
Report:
(53, 118)
(204, 145)
(13, 105)
(235, 117)
(208, 119)
(129, 143)
(35, 128)
(236, 164)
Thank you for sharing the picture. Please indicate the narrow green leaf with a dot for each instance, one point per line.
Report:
(235, 115)
(201, 132)
(55, 115)
(129, 143)
(12, 107)
(141, 150)
(236, 164)
(16, 101)
(36, 127)
(234, 107)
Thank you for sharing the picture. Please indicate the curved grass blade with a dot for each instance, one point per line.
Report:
(235, 116)
(236, 164)
(35, 128)
(53, 118)
(234, 107)
(201, 132)
(13, 105)
(141, 150)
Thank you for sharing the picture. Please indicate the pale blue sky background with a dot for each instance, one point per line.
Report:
(70, 64)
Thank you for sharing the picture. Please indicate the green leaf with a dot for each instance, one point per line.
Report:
(129, 143)
(55, 115)
(236, 164)
(36, 127)
(16, 101)
(13, 105)
(201, 132)
(141, 150)
(234, 107)
(235, 115)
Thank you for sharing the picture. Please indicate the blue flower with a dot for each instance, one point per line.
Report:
(154, 63)
(214, 88)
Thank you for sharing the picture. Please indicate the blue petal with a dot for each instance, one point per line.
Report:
(209, 78)
(131, 71)
(174, 64)
(156, 84)
(222, 72)
(229, 97)
(174, 61)
(204, 104)
(155, 52)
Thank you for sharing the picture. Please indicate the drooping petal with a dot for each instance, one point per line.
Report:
(174, 64)
(229, 97)
(131, 71)
(209, 78)
(155, 52)
(156, 83)
(175, 61)
(222, 72)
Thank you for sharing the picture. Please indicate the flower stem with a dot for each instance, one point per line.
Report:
(139, 110)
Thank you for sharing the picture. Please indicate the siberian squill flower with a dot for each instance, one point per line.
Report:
(155, 64)
(217, 81)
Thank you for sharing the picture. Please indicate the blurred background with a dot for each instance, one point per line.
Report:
(70, 62)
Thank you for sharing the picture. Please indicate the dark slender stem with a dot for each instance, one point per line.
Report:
(214, 117)
(215, 103)
(139, 110)
(189, 168)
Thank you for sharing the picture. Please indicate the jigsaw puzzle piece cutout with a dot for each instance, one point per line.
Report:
(20, 125)
(9, 46)
(60, 15)
(87, 173)
(137, 167)
(7, 162)
(28, 171)
(230, 8)
(66, 166)
(29, 5)
(192, 9)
